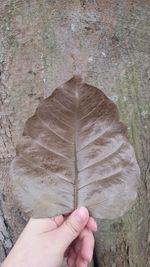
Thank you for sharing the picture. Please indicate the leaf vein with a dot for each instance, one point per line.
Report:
(91, 111)
(109, 155)
(101, 180)
(63, 105)
(53, 131)
(35, 166)
(51, 150)
(98, 136)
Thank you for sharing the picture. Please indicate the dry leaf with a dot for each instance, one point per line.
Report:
(74, 152)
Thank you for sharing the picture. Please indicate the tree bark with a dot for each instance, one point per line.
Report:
(42, 45)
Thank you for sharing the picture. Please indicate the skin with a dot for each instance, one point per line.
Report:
(45, 242)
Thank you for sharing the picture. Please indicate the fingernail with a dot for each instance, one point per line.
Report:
(95, 225)
(90, 255)
(80, 214)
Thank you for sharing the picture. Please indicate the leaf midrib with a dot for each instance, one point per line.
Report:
(75, 148)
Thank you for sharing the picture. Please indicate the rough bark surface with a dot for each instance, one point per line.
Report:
(42, 45)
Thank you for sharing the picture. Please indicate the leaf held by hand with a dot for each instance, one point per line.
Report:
(75, 152)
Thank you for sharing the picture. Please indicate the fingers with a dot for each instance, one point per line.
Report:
(58, 220)
(49, 224)
(81, 250)
(80, 262)
(45, 225)
(73, 226)
(87, 244)
(92, 225)
(74, 253)
(71, 257)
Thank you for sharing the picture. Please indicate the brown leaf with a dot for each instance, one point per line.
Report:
(74, 152)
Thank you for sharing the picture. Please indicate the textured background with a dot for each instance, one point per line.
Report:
(42, 44)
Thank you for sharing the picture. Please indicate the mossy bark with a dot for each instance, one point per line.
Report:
(42, 45)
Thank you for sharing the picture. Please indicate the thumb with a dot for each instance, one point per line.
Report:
(72, 227)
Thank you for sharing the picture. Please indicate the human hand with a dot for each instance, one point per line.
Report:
(45, 242)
